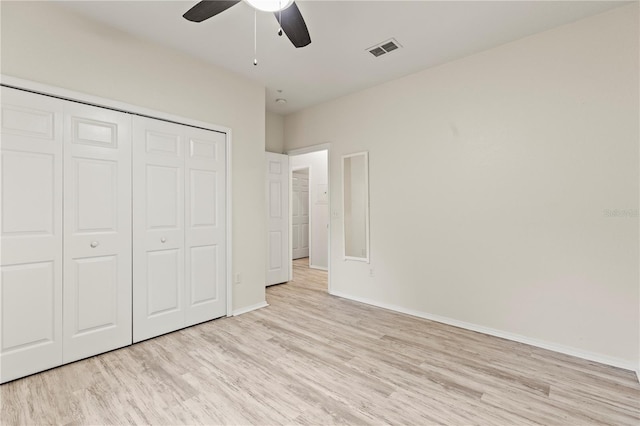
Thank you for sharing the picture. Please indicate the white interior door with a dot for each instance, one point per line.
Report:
(205, 232)
(158, 228)
(97, 236)
(31, 243)
(300, 213)
(277, 188)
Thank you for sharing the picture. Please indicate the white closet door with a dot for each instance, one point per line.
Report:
(158, 236)
(97, 219)
(205, 218)
(31, 243)
(277, 218)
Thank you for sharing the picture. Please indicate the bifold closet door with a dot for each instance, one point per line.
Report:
(179, 227)
(97, 236)
(31, 243)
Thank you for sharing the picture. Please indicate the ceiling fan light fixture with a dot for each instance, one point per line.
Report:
(270, 5)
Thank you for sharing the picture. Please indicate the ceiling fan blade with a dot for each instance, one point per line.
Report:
(208, 8)
(294, 26)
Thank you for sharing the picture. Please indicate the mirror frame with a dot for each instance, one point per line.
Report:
(366, 258)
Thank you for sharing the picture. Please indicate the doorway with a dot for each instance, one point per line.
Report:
(309, 210)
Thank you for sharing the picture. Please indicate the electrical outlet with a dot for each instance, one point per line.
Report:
(371, 272)
(237, 278)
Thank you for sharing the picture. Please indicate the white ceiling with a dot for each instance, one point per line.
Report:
(336, 62)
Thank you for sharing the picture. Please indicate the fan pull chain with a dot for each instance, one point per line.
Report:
(255, 37)
(280, 17)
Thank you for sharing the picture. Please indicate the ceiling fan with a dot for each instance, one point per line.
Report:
(286, 11)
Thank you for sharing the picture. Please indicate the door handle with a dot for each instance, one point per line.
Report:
(163, 240)
(94, 244)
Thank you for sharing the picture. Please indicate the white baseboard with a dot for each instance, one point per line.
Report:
(638, 375)
(250, 308)
(322, 268)
(567, 350)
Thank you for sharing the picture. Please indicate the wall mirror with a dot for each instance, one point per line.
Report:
(355, 205)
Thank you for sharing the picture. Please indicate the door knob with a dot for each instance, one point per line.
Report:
(163, 240)
(94, 244)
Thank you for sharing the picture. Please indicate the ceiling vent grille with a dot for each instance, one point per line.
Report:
(384, 47)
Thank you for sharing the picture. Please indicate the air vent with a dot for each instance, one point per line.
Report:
(384, 47)
(377, 51)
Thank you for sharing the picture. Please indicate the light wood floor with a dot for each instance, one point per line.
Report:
(311, 358)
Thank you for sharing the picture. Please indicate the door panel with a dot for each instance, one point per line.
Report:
(203, 198)
(205, 234)
(97, 244)
(164, 144)
(277, 188)
(88, 131)
(164, 282)
(95, 185)
(275, 199)
(295, 237)
(204, 280)
(19, 284)
(24, 115)
(94, 292)
(31, 234)
(158, 229)
(304, 240)
(27, 196)
(163, 197)
(275, 250)
(295, 207)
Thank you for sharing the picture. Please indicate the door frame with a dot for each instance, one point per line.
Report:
(70, 95)
(307, 150)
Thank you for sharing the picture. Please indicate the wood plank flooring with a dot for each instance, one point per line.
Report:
(315, 359)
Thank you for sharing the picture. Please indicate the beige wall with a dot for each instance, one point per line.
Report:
(274, 133)
(492, 181)
(48, 44)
